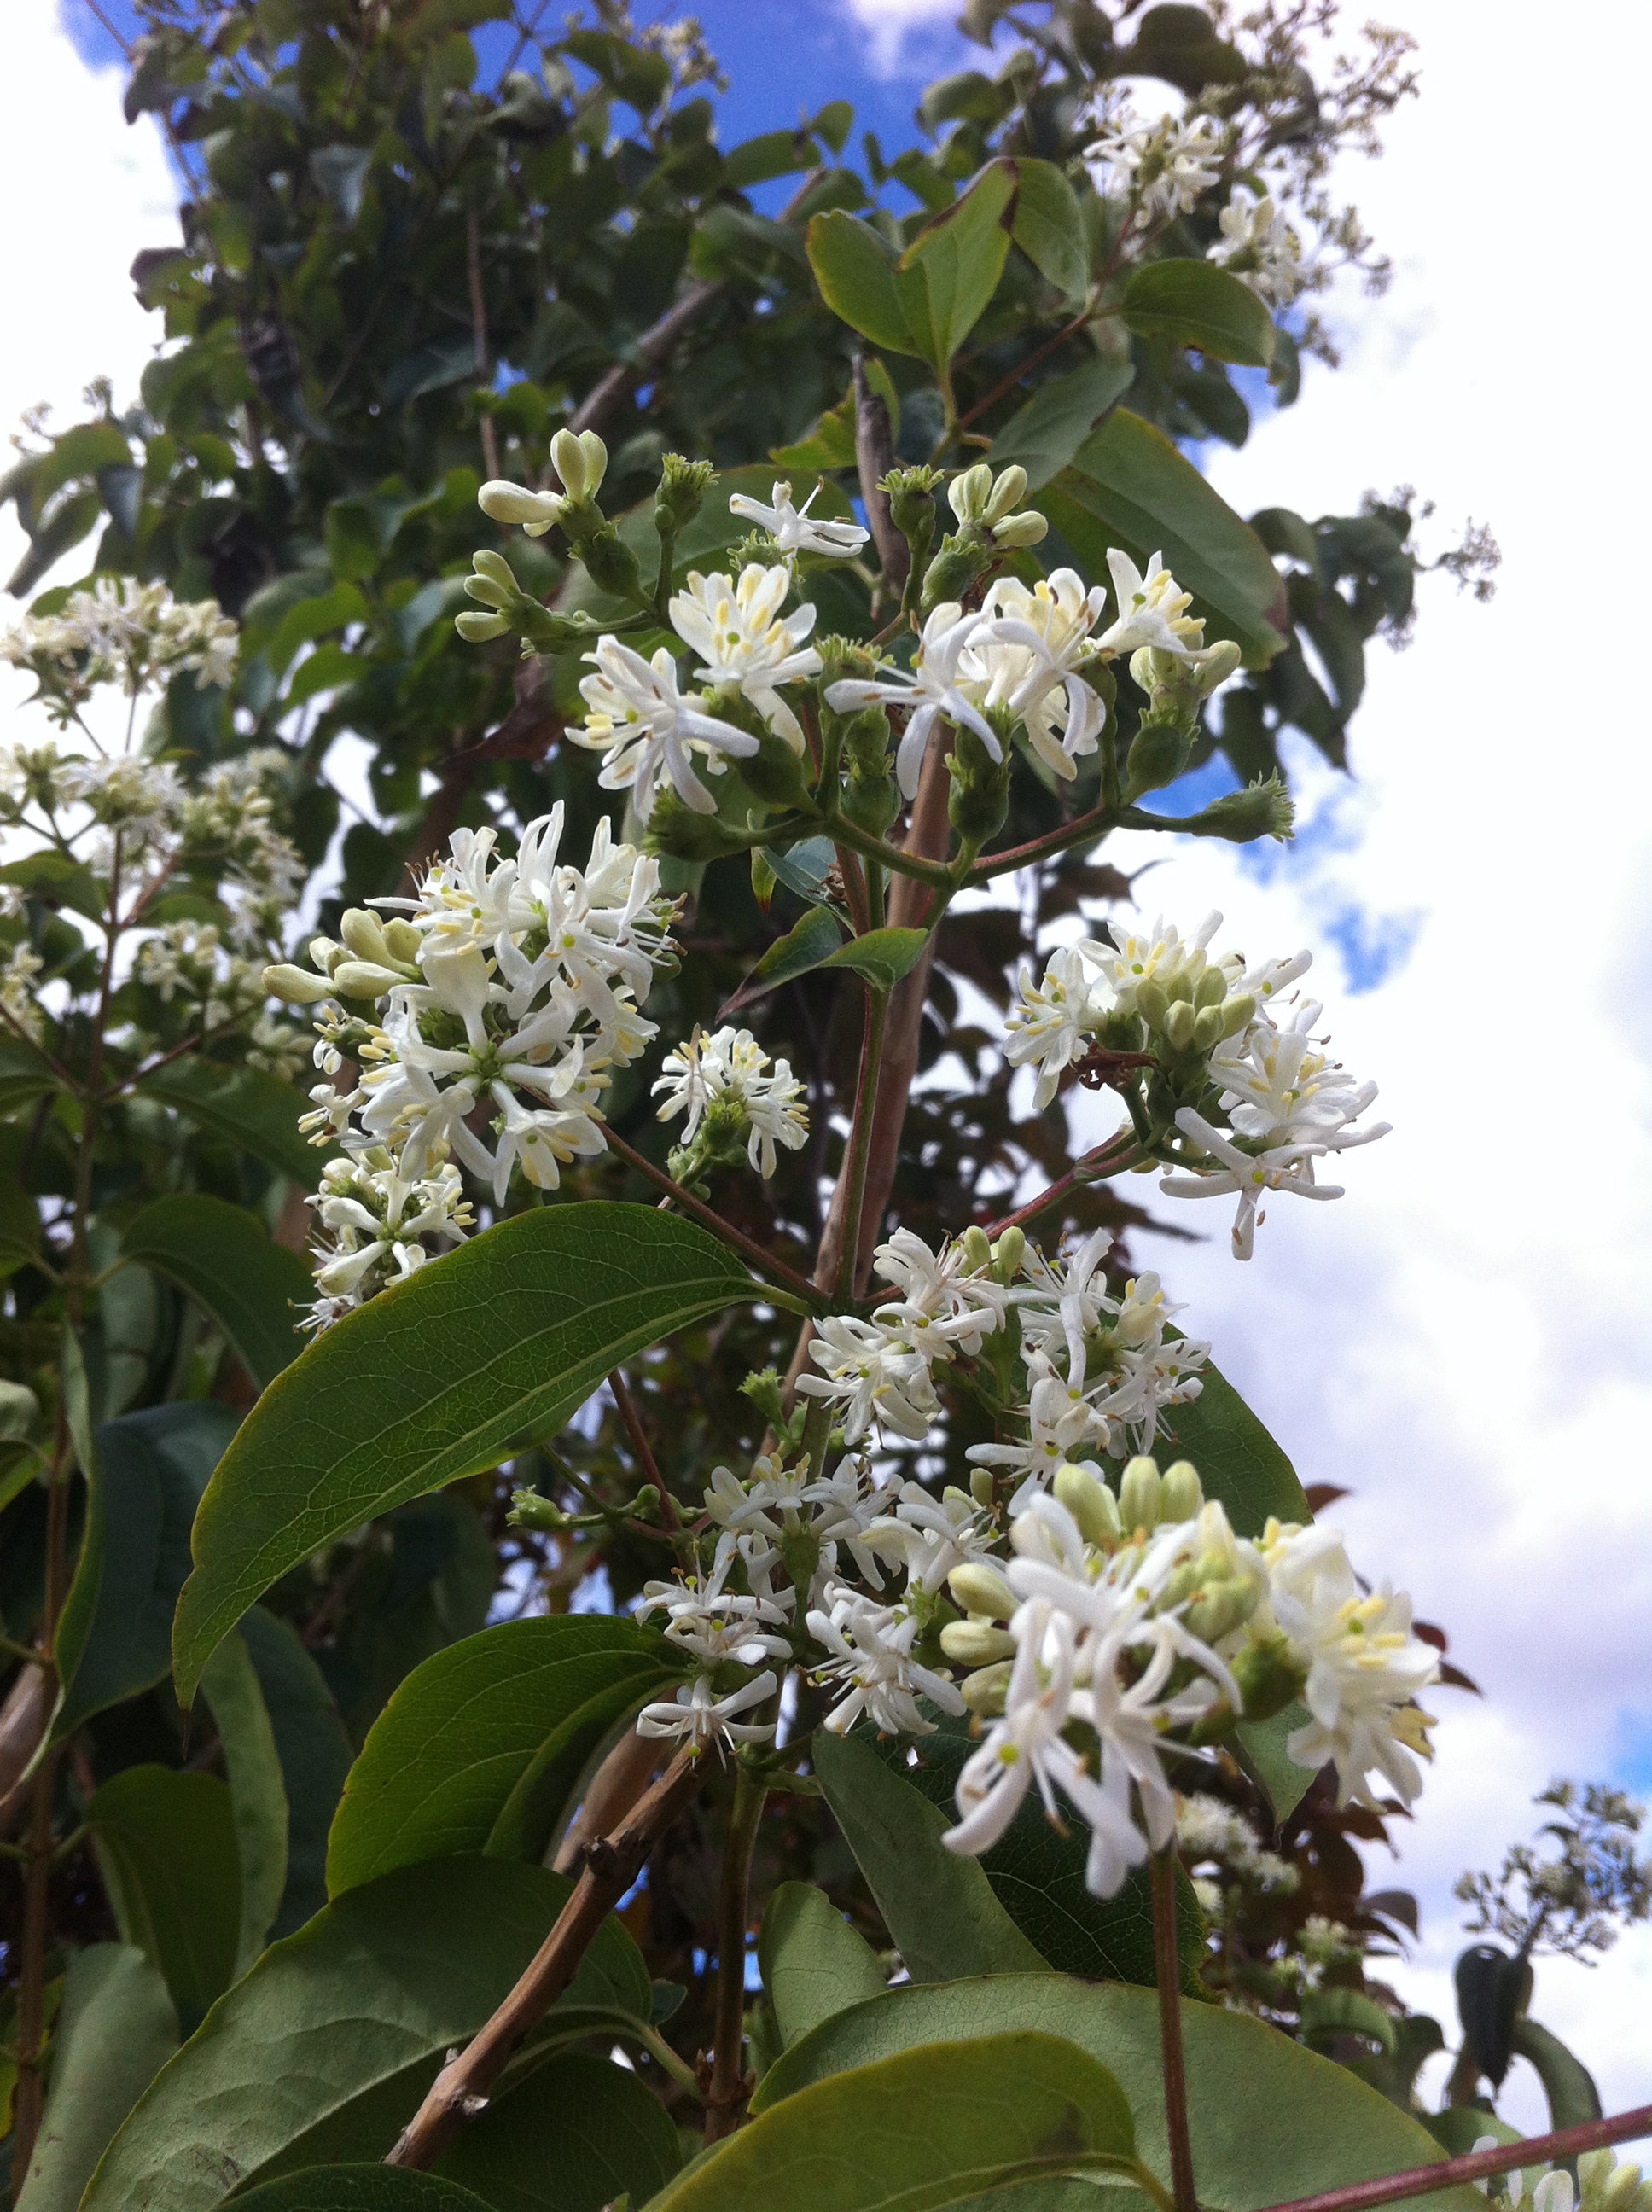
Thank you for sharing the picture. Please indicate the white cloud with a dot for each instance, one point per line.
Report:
(892, 24)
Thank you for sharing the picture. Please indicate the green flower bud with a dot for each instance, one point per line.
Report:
(977, 1252)
(1269, 1675)
(612, 563)
(980, 1486)
(683, 487)
(1181, 1495)
(910, 493)
(979, 1587)
(983, 1693)
(979, 797)
(1008, 1254)
(970, 491)
(1158, 753)
(1221, 1606)
(1179, 1026)
(507, 502)
(775, 773)
(477, 628)
(365, 979)
(1138, 1495)
(1210, 989)
(1007, 494)
(1018, 530)
(1265, 809)
(296, 986)
(325, 954)
(871, 802)
(956, 570)
(489, 594)
(1154, 1001)
(1216, 664)
(497, 570)
(581, 461)
(1090, 1502)
(973, 1643)
(676, 830)
(1207, 1029)
(363, 934)
(402, 942)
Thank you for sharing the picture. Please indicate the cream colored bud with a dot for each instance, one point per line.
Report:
(1238, 1013)
(1207, 1028)
(1210, 989)
(983, 1693)
(980, 1486)
(509, 502)
(975, 1644)
(1007, 494)
(363, 932)
(1215, 665)
(490, 594)
(402, 942)
(1154, 1001)
(495, 568)
(325, 955)
(1139, 1495)
(1181, 1495)
(365, 979)
(1090, 1502)
(980, 1589)
(1018, 530)
(1178, 1024)
(297, 985)
(968, 493)
(476, 629)
(581, 462)
(1008, 1254)
(977, 1252)
(1220, 1606)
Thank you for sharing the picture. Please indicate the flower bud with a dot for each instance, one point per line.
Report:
(910, 493)
(979, 1587)
(1215, 665)
(977, 1252)
(365, 979)
(1007, 494)
(477, 628)
(1138, 1494)
(1017, 530)
(1269, 1674)
(776, 772)
(1090, 1502)
(955, 572)
(507, 502)
(1179, 1020)
(983, 1693)
(581, 461)
(970, 491)
(980, 1486)
(497, 570)
(296, 986)
(683, 487)
(363, 934)
(1207, 1029)
(1211, 988)
(1159, 754)
(1182, 1495)
(1238, 1013)
(980, 798)
(612, 563)
(1260, 810)
(1153, 1001)
(973, 1643)
(1220, 1607)
(325, 954)
(402, 942)
(490, 594)
(1008, 1254)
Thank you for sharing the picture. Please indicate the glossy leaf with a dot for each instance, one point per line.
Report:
(1323, 2128)
(858, 279)
(803, 868)
(1129, 486)
(576, 2134)
(924, 2127)
(1196, 304)
(115, 2029)
(1238, 1461)
(315, 1755)
(258, 1792)
(166, 1850)
(881, 956)
(1261, 1747)
(480, 1747)
(809, 943)
(957, 259)
(1567, 2082)
(1037, 1875)
(438, 1377)
(24, 1076)
(149, 1470)
(1043, 436)
(813, 1963)
(248, 1109)
(939, 1907)
(324, 2049)
(222, 1256)
(374, 2188)
(1049, 226)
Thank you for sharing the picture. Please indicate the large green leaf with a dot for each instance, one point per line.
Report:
(480, 1747)
(810, 940)
(115, 2030)
(813, 1963)
(258, 1792)
(858, 279)
(222, 1256)
(950, 269)
(1043, 436)
(1129, 486)
(146, 1476)
(1050, 226)
(939, 1907)
(1037, 1872)
(256, 1112)
(922, 2127)
(361, 2189)
(1197, 304)
(315, 1755)
(1238, 1461)
(441, 1376)
(324, 2049)
(166, 1847)
(577, 2133)
(1269, 2120)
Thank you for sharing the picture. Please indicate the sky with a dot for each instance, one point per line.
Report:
(1465, 1342)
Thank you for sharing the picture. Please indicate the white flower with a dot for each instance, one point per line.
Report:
(716, 1624)
(947, 1304)
(1365, 1667)
(933, 690)
(1258, 246)
(1031, 648)
(1049, 1025)
(1063, 1422)
(638, 719)
(931, 1535)
(742, 638)
(794, 530)
(18, 969)
(1166, 168)
(728, 1067)
(1152, 610)
(378, 1220)
(1026, 1745)
(870, 1648)
(701, 1716)
(872, 1371)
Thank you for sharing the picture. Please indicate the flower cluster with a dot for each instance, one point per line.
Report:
(1259, 248)
(506, 994)
(733, 1099)
(120, 632)
(1603, 2186)
(1236, 1104)
(1160, 170)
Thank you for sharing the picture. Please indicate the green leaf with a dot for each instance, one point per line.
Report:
(1238, 1461)
(1323, 2128)
(1328, 2014)
(1459, 2127)
(881, 956)
(858, 279)
(253, 1111)
(324, 2049)
(374, 2188)
(1567, 2082)
(1262, 1750)
(24, 1076)
(258, 1794)
(924, 2127)
(576, 2135)
(1043, 436)
(165, 1848)
(438, 1377)
(956, 259)
(328, 610)
(315, 1756)
(1037, 1872)
(1194, 303)
(222, 1256)
(56, 880)
(772, 154)
(803, 868)
(480, 1747)
(115, 2030)
(147, 1473)
(1127, 485)
(810, 943)
(813, 1963)
(939, 1907)
(328, 668)
(351, 530)
(1049, 226)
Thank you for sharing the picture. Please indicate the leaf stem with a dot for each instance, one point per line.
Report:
(1167, 1967)
(727, 2093)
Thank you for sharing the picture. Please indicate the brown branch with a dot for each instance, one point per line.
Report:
(460, 2091)
(1111, 1156)
(874, 456)
(484, 368)
(613, 1789)
(1476, 2165)
(728, 2088)
(697, 1210)
(1166, 1972)
(638, 1439)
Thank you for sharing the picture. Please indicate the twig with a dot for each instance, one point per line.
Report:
(874, 454)
(1167, 1971)
(697, 1210)
(1108, 1159)
(861, 1134)
(1476, 2165)
(460, 2091)
(613, 1789)
(727, 2092)
(638, 1437)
